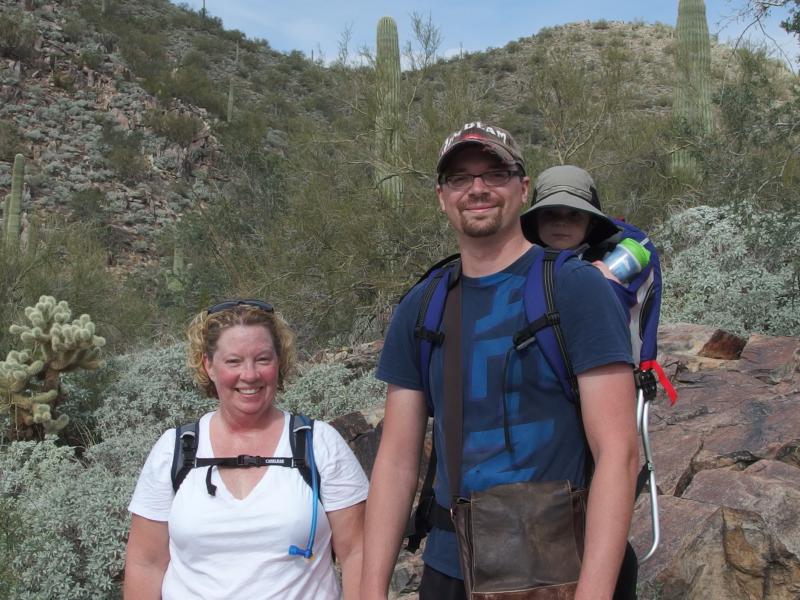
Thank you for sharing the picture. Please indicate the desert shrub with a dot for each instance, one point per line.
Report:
(64, 536)
(74, 28)
(211, 45)
(92, 58)
(64, 81)
(153, 392)
(87, 205)
(733, 268)
(17, 34)
(145, 54)
(124, 152)
(326, 391)
(177, 128)
(40, 479)
(69, 261)
(192, 84)
(11, 141)
(185, 17)
(10, 539)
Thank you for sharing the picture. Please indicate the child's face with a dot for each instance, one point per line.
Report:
(562, 228)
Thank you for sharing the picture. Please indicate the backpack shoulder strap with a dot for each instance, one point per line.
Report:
(440, 280)
(544, 321)
(183, 458)
(301, 440)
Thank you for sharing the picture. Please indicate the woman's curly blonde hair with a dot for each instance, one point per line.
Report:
(205, 329)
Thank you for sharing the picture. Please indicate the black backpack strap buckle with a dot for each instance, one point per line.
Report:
(434, 337)
(245, 460)
(526, 336)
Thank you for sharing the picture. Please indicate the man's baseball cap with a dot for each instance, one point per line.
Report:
(567, 186)
(494, 139)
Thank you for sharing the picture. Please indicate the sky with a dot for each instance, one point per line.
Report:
(317, 25)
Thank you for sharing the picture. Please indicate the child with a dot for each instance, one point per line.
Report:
(565, 214)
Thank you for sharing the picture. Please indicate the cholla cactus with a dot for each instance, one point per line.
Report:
(30, 380)
(692, 106)
(387, 119)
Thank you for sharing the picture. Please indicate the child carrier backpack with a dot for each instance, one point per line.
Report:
(642, 298)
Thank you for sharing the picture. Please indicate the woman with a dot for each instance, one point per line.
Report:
(235, 543)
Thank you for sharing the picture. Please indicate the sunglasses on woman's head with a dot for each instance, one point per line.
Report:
(228, 304)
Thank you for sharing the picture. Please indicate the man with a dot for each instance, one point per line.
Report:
(517, 423)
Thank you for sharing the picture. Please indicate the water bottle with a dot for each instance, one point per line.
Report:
(627, 259)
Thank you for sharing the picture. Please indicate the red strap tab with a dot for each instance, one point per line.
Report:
(662, 378)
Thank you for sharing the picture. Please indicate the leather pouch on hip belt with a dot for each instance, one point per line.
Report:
(521, 541)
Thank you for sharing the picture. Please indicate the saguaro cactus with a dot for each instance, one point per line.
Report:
(230, 86)
(14, 202)
(692, 107)
(387, 119)
(176, 277)
(30, 378)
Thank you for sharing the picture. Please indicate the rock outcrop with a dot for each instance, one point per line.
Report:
(727, 460)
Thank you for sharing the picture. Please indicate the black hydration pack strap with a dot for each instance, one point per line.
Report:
(243, 461)
(185, 452)
(185, 458)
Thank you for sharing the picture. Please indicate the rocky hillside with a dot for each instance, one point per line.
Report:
(122, 114)
(88, 113)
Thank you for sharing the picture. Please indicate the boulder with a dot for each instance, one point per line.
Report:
(769, 488)
(713, 552)
(723, 345)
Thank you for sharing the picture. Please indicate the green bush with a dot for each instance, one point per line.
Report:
(92, 58)
(71, 541)
(145, 54)
(329, 390)
(17, 34)
(11, 142)
(11, 536)
(192, 84)
(74, 28)
(70, 262)
(177, 128)
(124, 152)
(185, 17)
(734, 268)
(87, 205)
(212, 45)
(64, 81)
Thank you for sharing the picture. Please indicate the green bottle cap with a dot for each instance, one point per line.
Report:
(639, 252)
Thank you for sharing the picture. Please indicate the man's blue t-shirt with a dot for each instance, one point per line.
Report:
(544, 425)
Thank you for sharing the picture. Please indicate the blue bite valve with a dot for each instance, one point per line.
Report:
(295, 551)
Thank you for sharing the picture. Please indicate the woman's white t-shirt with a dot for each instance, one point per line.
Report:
(223, 547)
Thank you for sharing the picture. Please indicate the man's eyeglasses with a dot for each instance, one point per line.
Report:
(228, 304)
(494, 178)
